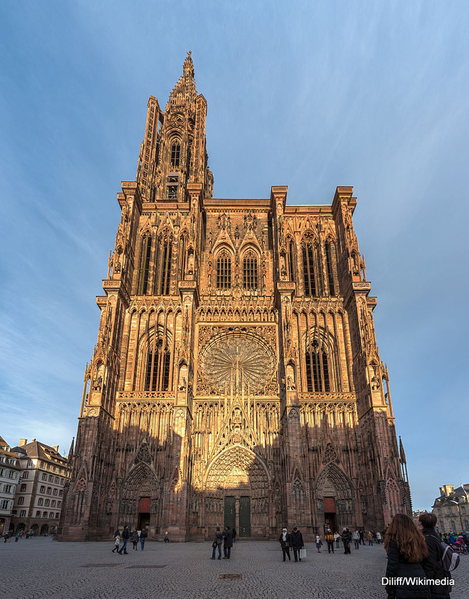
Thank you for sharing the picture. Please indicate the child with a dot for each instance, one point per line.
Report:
(318, 543)
(117, 540)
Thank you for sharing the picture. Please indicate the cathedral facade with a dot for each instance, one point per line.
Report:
(236, 378)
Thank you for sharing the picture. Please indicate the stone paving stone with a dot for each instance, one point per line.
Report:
(36, 568)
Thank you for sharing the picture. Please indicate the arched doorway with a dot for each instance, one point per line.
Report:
(140, 499)
(44, 529)
(34, 529)
(237, 492)
(334, 493)
(21, 526)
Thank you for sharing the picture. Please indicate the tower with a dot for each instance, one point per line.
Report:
(236, 378)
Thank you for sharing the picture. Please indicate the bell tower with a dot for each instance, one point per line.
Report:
(174, 151)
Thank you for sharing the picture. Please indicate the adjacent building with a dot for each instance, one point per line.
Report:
(9, 478)
(39, 495)
(236, 378)
(452, 509)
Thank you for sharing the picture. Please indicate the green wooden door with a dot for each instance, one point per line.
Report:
(230, 512)
(244, 517)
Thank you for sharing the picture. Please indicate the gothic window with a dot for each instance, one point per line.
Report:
(317, 367)
(157, 366)
(250, 271)
(175, 153)
(164, 266)
(330, 273)
(182, 255)
(145, 264)
(291, 260)
(224, 270)
(309, 271)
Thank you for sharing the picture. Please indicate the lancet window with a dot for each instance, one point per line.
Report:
(175, 154)
(163, 272)
(157, 365)
(330, 253)
(250, 270)
(318, 366)
(224, 270)
(291, 260)
(310, 272)
(145, 264)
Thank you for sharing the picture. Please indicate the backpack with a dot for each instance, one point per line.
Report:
(450, 559)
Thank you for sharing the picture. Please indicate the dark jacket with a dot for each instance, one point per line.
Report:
(125, 533)
(143, 534)
(218, 539)
(297, 539)
(346, 537)
(433, 566)
(285, 543)
(228, 538)
(398, 566)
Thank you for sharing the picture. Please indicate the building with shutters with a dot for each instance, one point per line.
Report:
(236, 378)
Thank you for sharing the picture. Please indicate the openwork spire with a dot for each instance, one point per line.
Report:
(184, 90)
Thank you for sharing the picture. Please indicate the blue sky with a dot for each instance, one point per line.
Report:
(306, 94)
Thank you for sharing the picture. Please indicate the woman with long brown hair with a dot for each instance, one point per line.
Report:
(407, 551)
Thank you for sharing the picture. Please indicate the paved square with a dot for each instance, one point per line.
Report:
(44, 568)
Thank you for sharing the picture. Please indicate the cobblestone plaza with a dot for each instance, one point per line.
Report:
(44, 568)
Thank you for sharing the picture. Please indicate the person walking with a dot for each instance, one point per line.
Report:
(143, 538)
(234, 536)
(362, 536)
(369, 537)
(356, 539)
(297, 543)
(337, 539)
(329, 538)
(117, 540)
(346, 540)
(318, 543)
(227, 543)
(166, 538)
(378, 537)
(407, 550)
(135, 540)
(433, 566)
(217, 541)
(125, 540)
(285, 542)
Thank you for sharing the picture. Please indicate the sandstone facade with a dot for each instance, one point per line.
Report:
(236, 377)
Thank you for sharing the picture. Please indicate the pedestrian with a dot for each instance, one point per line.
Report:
(329, 537)
(17, 536)
(135, 540)
(143, 537)
(346, 540)
(217, 542)
(318, 543)
(125, 540)
(285, 542)
(227, 543)
(356, 539)
(117, 540)
(166, 537)
(407, 550)
(369, 537)
(297, 543)
(337, 539)
(378, 537)
(362, 536)
(234, 535)
(433, 565)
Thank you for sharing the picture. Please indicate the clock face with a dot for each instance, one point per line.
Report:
(234, 361)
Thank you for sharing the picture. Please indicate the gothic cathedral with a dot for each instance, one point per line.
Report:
(236, 378)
